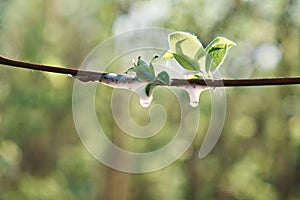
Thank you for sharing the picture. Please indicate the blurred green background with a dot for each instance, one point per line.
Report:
(257, 156)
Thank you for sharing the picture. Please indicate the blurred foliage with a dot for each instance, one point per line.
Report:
(257, 156)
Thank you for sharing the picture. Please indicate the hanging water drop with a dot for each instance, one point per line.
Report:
(194, 92)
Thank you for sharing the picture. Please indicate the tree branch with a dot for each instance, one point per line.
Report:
(48, 68)
(86, 75)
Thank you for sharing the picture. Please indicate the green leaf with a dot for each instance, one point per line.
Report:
(140, 61)
(163, 77)
(220, 40)
(151, 65)
(149, 89)
(143, 71)
(168, 55)
(131, 69)
(154, 57)
(186, 63)
(218, 54)
(194, 76)
(186, 49)
(209, 64)
(217, 51)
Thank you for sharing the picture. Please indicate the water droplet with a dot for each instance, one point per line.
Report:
(194, 92)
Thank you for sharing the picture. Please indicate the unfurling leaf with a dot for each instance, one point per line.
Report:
(143, 71)
(151, 65)
(216, 53)
(131, 69)
(163, 77)
(194, 76)
(220, 40)
(185, 62)
(186, 49)
(168, 55)
(146, 73)
(149, 88)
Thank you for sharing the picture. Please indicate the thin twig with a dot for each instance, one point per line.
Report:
(46, 68)
(240, 82)
(86, 75)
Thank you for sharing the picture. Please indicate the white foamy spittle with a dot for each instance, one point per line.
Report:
(128, 82)
(123, 81)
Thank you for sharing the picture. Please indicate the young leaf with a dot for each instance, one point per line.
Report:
(168, 55)
(220, 40)
(143, 71)
(209, 64)
(163, 77)
(151, 65)
(149, 88)
(185, 62)
(154, 57)
(140, 61)
(194, 76)
(131, 69)
(217, 51)
(186, 49)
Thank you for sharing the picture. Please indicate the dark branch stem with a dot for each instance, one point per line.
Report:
(47, 68)
(241, 82)
(94, 76)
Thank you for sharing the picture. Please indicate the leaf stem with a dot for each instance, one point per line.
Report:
(86, 75)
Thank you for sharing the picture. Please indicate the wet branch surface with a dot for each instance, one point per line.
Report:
(86, 75)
